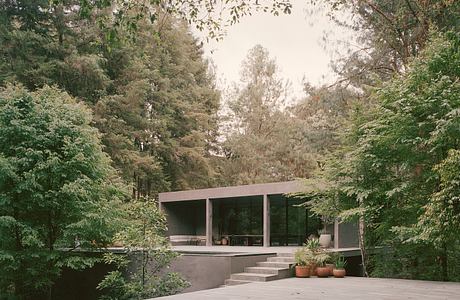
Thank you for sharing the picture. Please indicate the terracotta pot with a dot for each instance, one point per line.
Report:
(322, 271)
(313, 269)
(331, 268)
(224, 241)
(339, 273)
(302, 271)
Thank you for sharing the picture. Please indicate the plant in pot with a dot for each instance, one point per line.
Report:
(339, 270)
(314, 247)
(330, 266)
(321, 258)
(303, 259)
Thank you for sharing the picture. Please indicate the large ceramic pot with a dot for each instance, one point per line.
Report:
(325, 240)
(339, 273)
(302, 271)
(322, 271)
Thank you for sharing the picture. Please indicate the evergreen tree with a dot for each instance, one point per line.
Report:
(265, 141)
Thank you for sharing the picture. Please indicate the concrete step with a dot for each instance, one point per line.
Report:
(271, 264)
(280, 272)
(281, 259)
(235, 282)
(253, 276)
(263, 270)
(285, 255)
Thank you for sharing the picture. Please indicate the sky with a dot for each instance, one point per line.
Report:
(295, 41)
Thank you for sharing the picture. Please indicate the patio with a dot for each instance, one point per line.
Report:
(330, 288)
(254, 249)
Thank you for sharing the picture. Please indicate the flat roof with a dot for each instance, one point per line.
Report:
(274, 188)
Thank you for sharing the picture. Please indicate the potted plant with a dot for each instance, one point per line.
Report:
(325, 238)
(314, 247)
(321, 258)
(303, 259)
(330, 264)
(330, 267)
(339, 270)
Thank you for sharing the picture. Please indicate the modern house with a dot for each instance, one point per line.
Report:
(248, 215)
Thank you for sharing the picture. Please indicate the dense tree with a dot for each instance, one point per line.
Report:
(390, 33)
(161, 121)
(398, 174)
(265, 140)
(154, 99)
(57, 189)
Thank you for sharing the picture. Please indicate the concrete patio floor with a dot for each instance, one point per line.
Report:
(355, 288)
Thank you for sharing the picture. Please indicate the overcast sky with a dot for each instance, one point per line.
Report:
(295, 41)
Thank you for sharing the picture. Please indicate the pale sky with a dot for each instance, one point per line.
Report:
(294, 40)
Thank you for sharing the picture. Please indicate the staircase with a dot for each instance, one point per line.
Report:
(274, 268)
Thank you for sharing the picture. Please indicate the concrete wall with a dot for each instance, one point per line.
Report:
(209, 271)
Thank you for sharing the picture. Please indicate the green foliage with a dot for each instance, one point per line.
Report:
(389, 34)
(313, 245)
(140, 273)
(264, 142)
(398, 171)
(56, 188)
(211, 16)
(340, 262)
(153, 98)
(304, 257)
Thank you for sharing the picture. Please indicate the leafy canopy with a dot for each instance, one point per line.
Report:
(57, 189)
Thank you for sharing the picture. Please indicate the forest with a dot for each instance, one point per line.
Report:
(104, 104)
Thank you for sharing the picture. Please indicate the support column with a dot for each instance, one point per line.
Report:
(208, 222)
(266, 221)
(336, 234)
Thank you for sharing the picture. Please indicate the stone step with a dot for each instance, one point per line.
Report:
(280, 272)
(263, 270)
(235, 282)
(271, 264)
(253, 276)
(281, 259)
(285, 255)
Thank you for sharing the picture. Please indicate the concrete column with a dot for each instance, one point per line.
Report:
(336, 234)
(266, 221)
(208, 222)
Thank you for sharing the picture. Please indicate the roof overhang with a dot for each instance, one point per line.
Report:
(275, 188)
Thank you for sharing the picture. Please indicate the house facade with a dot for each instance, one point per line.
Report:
(248, 215)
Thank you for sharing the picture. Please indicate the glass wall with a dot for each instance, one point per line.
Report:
(290, 225)
(239, 220)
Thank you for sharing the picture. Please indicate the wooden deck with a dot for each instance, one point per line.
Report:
(355, 288)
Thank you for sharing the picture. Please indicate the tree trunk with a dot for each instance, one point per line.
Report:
(362, 246)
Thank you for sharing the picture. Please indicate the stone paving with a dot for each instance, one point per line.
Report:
(355, 288)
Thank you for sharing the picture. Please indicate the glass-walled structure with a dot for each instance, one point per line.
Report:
(247, 215)
(238, 221)
(290, 225)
